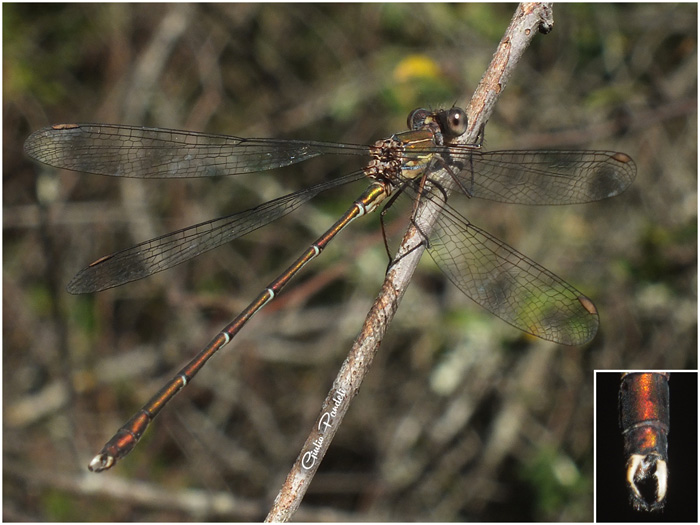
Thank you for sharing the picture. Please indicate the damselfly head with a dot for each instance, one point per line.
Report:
(426, 120)
(453, 122)
(417, 118)
(448, 123)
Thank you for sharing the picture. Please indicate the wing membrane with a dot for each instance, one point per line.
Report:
(509, 284)
(542, 177)
(169, 250)
(130, 151)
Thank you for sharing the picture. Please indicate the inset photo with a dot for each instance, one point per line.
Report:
(646, 446)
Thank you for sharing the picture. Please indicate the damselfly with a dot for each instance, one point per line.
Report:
(420, 163)
(645, 421)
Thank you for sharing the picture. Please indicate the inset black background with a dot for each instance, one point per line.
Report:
(612, 504)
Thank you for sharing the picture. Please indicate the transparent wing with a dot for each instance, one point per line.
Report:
(130, 151)
(177, 247)
(541, 177)
(510, 285)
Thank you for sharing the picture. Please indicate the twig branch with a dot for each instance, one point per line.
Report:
(528, 18)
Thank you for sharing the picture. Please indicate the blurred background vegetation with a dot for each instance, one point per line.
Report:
(462, 417)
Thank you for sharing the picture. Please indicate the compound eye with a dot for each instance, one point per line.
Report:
(456, 122)
(417, 117)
